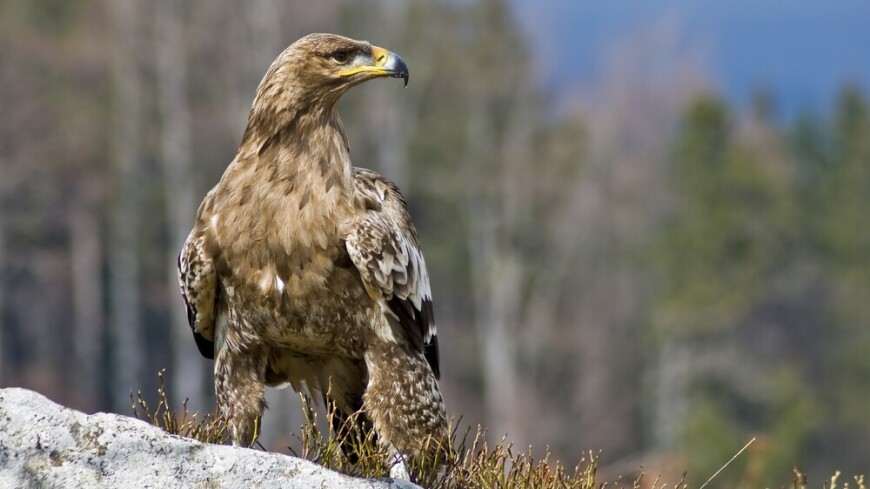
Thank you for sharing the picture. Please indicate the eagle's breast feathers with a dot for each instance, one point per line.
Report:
(376, 234)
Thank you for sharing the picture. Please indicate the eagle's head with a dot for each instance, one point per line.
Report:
(317, 69)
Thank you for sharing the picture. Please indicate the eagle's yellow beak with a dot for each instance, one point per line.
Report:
(381, 63)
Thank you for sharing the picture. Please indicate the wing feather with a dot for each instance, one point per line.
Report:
(383, 245)
(198, 281)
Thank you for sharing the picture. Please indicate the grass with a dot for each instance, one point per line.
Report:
(469, 462)
(207, 429)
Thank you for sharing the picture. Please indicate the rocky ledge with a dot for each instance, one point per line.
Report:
(45, 445)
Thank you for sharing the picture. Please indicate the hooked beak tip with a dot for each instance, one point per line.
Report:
(396, 66)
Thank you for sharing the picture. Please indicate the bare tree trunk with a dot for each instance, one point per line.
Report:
(499, 202)
(189, 372)
(123, 257)
(670, 398)
(495, 278)
(86, 255)
(2, 284)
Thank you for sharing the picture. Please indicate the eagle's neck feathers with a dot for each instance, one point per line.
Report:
(288, 189)
(304, 148)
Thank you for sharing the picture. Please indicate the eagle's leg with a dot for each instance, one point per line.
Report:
(239, 382)
(413, 424)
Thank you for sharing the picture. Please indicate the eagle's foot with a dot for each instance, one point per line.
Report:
(398, 469)
(245, 431)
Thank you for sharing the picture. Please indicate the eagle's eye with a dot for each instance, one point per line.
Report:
(340, 57)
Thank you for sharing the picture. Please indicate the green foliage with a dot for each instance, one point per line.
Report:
(756, 227)
(52, 17)
(839, 206)
(708, 426)
(793, 417)
(733, 221)
(713, 433)
(845, 191)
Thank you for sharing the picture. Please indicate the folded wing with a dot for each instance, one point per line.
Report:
(198, 282)
(383, 245)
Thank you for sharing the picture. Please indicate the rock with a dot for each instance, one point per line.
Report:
(44, 445)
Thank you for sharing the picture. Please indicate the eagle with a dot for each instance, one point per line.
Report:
(301, 269)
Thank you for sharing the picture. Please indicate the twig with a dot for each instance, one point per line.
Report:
(727, 463)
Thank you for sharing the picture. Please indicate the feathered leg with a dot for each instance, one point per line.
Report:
(239, 387)
(404, 402)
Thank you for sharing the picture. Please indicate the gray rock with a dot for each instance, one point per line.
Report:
(44, 445)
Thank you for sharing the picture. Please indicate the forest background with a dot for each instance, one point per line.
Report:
(634, 263)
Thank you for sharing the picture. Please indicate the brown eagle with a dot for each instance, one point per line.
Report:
(303, 269)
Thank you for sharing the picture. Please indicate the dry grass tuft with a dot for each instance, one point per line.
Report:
(207, 429)
(469, 462)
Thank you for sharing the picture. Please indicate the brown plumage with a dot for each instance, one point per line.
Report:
(302, 269)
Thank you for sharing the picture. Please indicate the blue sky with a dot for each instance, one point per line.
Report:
(802, 50)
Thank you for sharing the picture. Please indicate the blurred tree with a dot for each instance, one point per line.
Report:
(722, 258)
(124, 253)
(189, 372)
(840, 228)
(617, 200)
(846, 187)
(733, 218)
(3, 280)
(86, 256)
(498, 208)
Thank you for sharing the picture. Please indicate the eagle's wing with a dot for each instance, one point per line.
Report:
(383, 245)
(198, 281)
